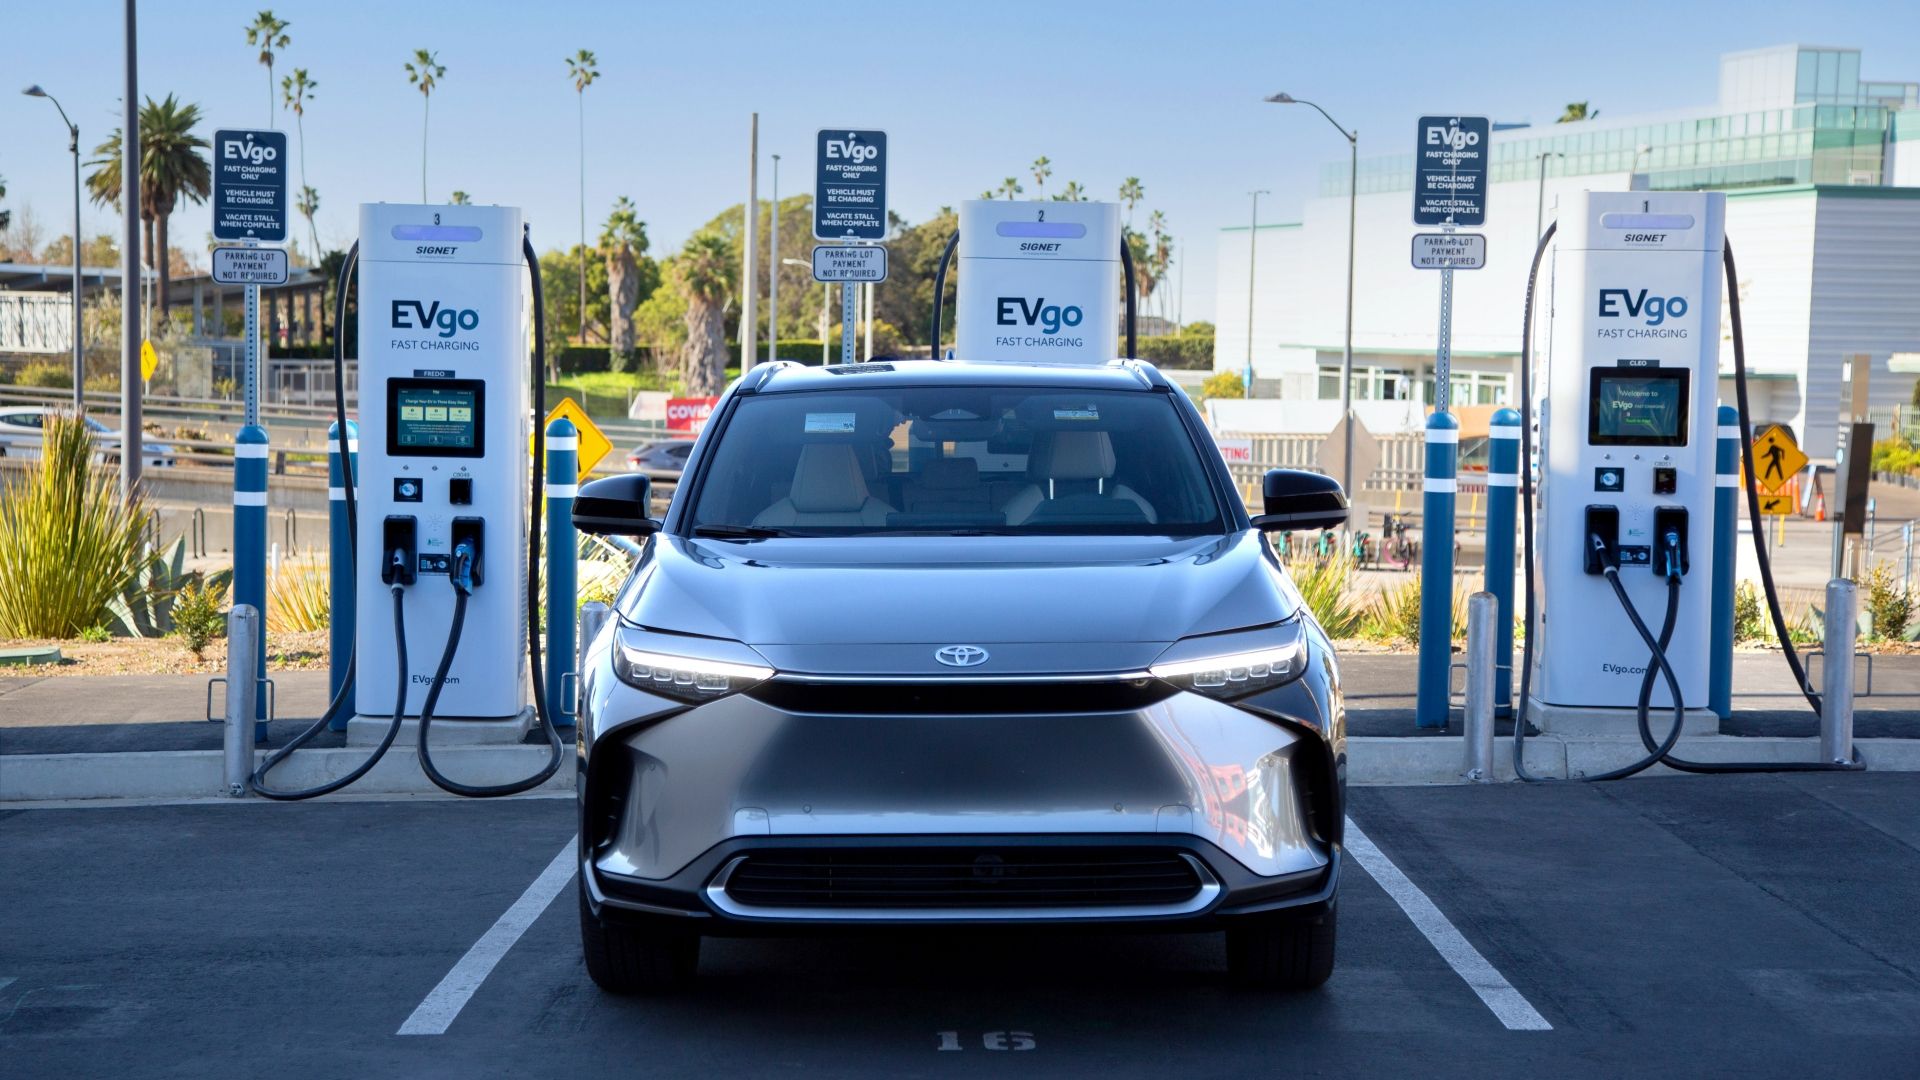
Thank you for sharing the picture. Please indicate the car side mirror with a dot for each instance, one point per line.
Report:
(616, 506)
(1300, 501)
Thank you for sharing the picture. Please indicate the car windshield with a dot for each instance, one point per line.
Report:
(956, 460)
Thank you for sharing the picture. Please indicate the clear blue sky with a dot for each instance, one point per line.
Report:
(969, 92)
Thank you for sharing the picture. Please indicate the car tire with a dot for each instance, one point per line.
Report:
(1284, 950)
(649, 955)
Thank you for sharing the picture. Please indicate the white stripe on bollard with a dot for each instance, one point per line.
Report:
(1447, 486)
(1503, 480)
(1443, 435)
(563, 442)
(249, 498)
(250, 450)
(1726, 480)
(1504, 431)
(562, 491)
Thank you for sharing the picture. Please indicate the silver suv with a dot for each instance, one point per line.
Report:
(936, 643)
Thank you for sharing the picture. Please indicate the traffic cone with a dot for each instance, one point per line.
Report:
(1820, 507)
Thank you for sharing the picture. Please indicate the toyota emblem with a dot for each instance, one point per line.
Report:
(961, 655)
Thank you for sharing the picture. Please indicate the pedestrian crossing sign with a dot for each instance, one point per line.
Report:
(1776, 460)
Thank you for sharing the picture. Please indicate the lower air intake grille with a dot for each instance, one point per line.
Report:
(944, 877)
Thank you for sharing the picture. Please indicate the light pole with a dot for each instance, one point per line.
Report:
(1346, 354)
(1253, 253)
(773, 271)
(1540, 197)
(73, 145)
(824, 288)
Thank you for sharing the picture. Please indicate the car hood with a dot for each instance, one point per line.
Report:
(1041, 604)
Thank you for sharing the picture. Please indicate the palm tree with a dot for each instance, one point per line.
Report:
(582, 68)
(1010, 187)
(1161, 258)
(704, 274)
(1576, 110)
(1042, 168)
(425, 72)
(623, 239)
(269, 33)
(1073, 192)
(295, 91)
(1130, 193)
(460, 198)
(170, 167)
(987, 195)
(308, 204)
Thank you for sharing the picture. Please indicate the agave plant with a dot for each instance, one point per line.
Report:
(145, 607)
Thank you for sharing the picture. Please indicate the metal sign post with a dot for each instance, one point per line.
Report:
(849, 205)
(1449, 190)
(852, 265)
(250, 207)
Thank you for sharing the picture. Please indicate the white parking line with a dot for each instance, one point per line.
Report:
(1482, 978)
(444, 1002)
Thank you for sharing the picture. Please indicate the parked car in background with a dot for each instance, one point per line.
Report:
(20, 427)
(663, 460)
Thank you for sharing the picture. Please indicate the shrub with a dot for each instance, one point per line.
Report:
(1223, 384)
(1327, 587)
(299, 595)
(1394, 614)
(94, 635)
(46, 376)
(1889, 603)
(1896, 455)
(199, 616)
(68, 545)
(1188, 351)
(1749, 616)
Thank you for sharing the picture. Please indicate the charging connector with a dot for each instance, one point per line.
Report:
(1670, 541)
(467, 532)
(1603, 539)
(399, 550)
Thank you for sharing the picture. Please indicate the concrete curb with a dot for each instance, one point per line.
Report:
(187, 774)
(192, 774)
(1441, 759)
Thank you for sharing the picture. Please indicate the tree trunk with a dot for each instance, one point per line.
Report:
(705, 358)
(623, 294)
(161, 258)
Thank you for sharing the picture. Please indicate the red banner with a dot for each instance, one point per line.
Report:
(688, 414)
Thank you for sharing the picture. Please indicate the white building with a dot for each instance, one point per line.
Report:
(1822, 172)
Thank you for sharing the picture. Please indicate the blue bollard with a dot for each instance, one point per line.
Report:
(250, 547)
(340, 588)
(563, 566)
(1503, 489)
(1726, 516)
(1431, 707)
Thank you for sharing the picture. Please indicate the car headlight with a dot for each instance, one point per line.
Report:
(1222, 666)
(652, 662)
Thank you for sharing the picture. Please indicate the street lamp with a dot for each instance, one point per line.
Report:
(1346, 356)
(1253, 259)
(773, 279)
(73, 145)
(1540, 199)
(824, 287)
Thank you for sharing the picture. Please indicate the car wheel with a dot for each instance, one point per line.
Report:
(649, 955)
(1283, 950)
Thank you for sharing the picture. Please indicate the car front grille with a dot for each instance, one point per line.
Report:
(963, 878)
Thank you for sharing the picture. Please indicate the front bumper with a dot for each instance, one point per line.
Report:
(673, 801)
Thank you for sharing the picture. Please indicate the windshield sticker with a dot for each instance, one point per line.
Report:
(829, 423)
(1087, 412)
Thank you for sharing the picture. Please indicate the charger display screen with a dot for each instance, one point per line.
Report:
(436, 417)
(1638, 407)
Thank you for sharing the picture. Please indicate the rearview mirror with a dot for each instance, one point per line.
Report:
(1300, 501)
(615, 506)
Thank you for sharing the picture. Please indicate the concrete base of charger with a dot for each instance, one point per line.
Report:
(449, 731)
(1587, 720)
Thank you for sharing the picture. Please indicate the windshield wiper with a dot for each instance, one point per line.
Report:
(738, 532)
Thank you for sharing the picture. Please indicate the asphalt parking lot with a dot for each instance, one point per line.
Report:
(1745, 926)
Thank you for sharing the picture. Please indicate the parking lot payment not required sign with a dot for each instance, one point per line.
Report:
(249, 185)
(1450, 158)
(850, 185)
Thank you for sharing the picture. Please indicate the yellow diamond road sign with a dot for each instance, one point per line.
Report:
(593, 444)
(149, 361)
(1776, 460)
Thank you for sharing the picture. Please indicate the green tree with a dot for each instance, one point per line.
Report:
(1042, 168)
(622, 240)
(1131, 193)
(6, 216)
(913, 253)
(171, 168)
(1576, 110)
(460, 198)
(269, 34)
(559, 279)
(704, 275)
(425, 72)
(1073, 192)
(295, 91)
(582, 68)
(1011, 187)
